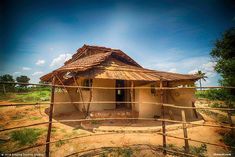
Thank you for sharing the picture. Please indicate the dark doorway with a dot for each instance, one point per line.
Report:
(120, 94)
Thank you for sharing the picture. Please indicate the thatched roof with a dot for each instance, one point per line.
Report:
(106, 63)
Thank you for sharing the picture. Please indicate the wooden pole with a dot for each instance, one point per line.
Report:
(4, 89)
(91, 96)
(61, 83)
(194, 110)
(230, 120)
(163, 117)
(186, 144)
(80, 93)
(132, 97)
(50, 118)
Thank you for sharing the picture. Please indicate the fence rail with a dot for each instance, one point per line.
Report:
(114, 102)
(94, 87)
(103, 119)
(163, 120)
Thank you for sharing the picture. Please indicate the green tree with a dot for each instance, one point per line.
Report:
(7, 78)
(23, 79)
(203, 77)
(224, 55)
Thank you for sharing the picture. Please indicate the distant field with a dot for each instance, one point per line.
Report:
(29, 96)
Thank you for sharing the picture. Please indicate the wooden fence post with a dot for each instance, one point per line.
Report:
(194, 110)
(163, 117)
(132, 99)
(50, 119)
(91, 97)
(163, 133)
(4, 89)
(186, 144)
(230, 120)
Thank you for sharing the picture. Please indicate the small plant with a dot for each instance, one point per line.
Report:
(59, 143)
(35, 118)
(216, 105)
(117, 152)
(94, 122)
(17, 116)
(199, 151)
(53, 129)
(26, 136)
(125, 152)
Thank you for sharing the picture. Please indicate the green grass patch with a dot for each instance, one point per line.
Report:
(116, 152)
(217, 105)
(53, 129)
(198, 151)
(212, 94)
(30, 96)
(59, 143)
(26, 136)
(35, 118)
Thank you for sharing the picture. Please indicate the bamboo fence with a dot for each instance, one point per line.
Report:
(162, 120)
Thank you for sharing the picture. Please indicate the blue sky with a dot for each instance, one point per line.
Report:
(36, 37)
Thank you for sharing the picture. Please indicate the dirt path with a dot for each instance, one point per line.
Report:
(125, 139)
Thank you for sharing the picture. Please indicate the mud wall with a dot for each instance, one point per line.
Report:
(63, 108)
(181, 97)
(145, 95)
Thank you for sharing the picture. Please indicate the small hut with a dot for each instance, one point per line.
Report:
(120, 86)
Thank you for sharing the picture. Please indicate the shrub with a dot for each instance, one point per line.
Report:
(26, 136)
(228, 139)
(212, 94)
(125, 152)
(199, 151)
(217, 105)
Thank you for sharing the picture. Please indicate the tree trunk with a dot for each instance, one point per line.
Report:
(200, 81)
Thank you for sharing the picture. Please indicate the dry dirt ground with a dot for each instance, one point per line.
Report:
(18, 116)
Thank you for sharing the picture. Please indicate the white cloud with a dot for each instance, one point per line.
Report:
(40, 62)
(37, 73)
(207, 68)
(60, 59)
(194, 71)
(173, 70)
(16, 73)
(26, 68)
(174, 64)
